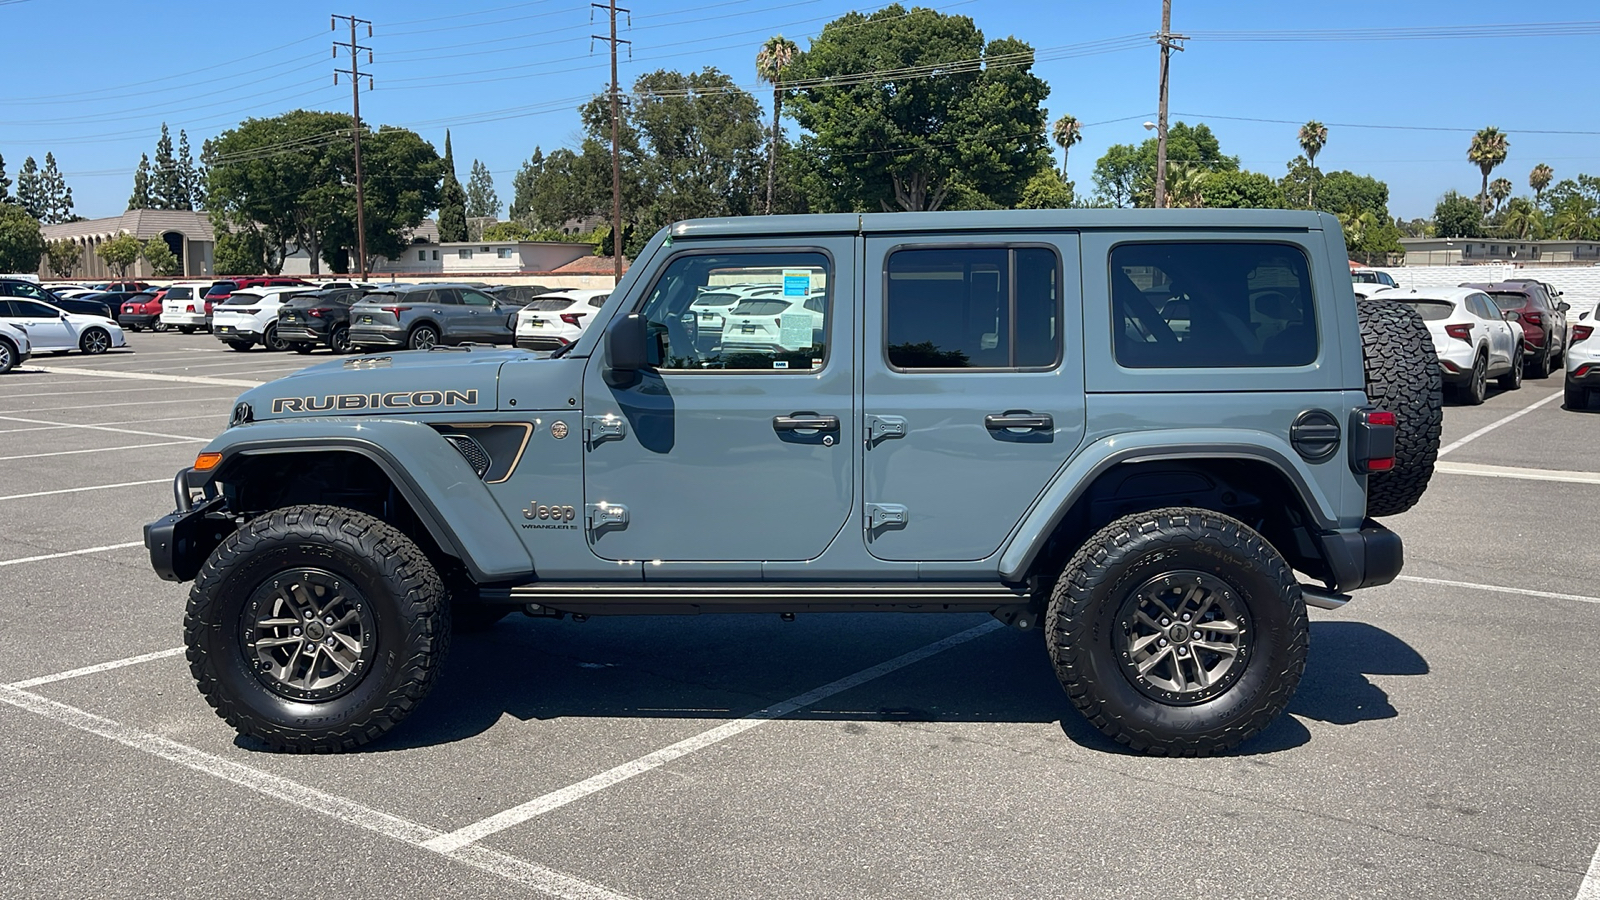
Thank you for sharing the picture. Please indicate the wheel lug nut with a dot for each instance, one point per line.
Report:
(1163, 642)
(308, 613)
(328, 620)
(1165, 622)
(1183, 651)
(297, 632)
(1186, 617)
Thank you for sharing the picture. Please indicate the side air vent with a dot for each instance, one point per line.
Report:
(472, 451)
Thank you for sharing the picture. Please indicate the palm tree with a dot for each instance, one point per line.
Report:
(1520, 219)
(775, 56)
(1488, 150)
(1499, 190)
(1539, 179)
(1185, 185)
(1313, 137)
(1066, 132)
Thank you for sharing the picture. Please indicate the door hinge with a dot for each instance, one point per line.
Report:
(883, 427)
(885, 515)
(608, 427)
(606, 515)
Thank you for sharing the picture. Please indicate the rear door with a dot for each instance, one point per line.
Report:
(973, 387)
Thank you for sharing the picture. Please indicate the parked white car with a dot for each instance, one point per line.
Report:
(1472, 337)
(555, 320)
(773, 321)
(249, 317)
(184, 307)
(53, 330)
(1583, 361)
(15, 348)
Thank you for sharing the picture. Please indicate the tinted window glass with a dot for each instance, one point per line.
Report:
(238, 298)
(477, 298)
(447, 296)
(28, 309)
(551, 305)
(1509, 301)
(221, 288)
(600, 300)
(1433, 310)
(180, 293)
(783, 336)
(991, 308)
(1212, 305)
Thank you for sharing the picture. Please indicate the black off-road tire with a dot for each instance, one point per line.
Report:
(1402, 377)
(386, 571)
(1083, 628)
(1512, 379)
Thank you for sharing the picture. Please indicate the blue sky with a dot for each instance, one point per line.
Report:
(93, 81)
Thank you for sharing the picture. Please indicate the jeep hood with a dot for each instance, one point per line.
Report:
(404, 382)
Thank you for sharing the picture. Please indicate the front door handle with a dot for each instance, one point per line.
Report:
(805, 422)
(1030, 421)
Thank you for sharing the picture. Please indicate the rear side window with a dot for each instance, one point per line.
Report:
(983, 308)
(1433, 310)
(1212, 305)
(1509, 301)
(180, 293)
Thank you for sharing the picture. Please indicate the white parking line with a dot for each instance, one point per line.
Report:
(148, 387)
(29, 559)
(105, 449)
(516, 815)
(1549, 595)
(527, 874)
(93, 487)
(1450, 468)
(101, 428)
(96, 669)
(1456, 445)
(1590, 888)
(149, 376)
(210, 415)
(185, 398)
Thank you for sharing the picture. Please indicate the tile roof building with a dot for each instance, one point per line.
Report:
(186, 232)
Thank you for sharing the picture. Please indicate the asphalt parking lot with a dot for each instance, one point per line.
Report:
(1443, 740)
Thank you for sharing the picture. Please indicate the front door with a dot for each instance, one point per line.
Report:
(973, 388)
(484, 317)
(729, 450)
(45, 325)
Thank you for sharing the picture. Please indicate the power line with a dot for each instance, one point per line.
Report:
(1391, 127)
(1420, 33)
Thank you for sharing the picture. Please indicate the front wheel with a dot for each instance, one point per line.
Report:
(160, 327)
(1178, 632)
(316, 628)
(95, 341)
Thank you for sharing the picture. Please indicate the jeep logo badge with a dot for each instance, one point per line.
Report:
(551, 513)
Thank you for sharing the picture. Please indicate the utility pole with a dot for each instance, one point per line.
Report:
(616, 157)
(1168, 42)
(356, 75)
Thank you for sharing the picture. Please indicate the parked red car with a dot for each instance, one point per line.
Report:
(1544, 321)
(142, 311)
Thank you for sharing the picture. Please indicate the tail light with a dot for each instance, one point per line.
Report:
(1583, 370)
(395, 310)
(1459, 332)
(190, 308)
(1371, 440)
(1533, 318)
(1580, 333)
(572, 318)
(318, 311)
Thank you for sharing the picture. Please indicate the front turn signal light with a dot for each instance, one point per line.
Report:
(205, 462)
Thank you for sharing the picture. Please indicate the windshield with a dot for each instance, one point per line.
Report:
(239, 298)
(761, 308)
(551, 305)
(1432, 310)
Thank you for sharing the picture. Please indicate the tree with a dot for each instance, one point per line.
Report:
(482, 202)
(1125, 175)
(166, 182)
(1313, 137)
(1242, 190)
(1185, 185)
(1047, 190)
(1538, 179)
(62, 257)
(510, 231)
(160, 257)
(551, 190)
(1456, 216)
(121, 252)
(452, 200)
(21, 243)
(5, 183)
(704, 137)
(1488, 150)
(1066, 132)
(54, 195)
(773, 57)
(191, 181)
(30, 190)
(885, 135)
(141, 199)
(241, 253)
(1522, 219)
(1499, 190)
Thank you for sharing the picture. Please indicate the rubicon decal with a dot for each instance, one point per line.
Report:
(390, 400)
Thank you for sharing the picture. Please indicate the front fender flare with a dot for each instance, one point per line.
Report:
(1069, 484)
(455, 506)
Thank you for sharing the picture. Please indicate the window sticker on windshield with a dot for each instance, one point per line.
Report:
(794, 330)
(796, 282)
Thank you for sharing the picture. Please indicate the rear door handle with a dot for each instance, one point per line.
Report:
(805, 422)
(1030, 421)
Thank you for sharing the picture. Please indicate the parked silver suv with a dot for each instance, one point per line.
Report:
(420, 316)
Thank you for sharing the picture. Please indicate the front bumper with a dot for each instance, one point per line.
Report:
(1363, 557)
(180, 541)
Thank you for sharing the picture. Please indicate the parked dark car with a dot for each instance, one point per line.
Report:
(16, 287)
(141, 311)
(426, 315)
(1543, 318)
(89, 305)
(320, 318)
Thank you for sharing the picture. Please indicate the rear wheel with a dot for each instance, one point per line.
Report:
(1402, 377)
(423, 337)
(95, 341)
(339, 340)
(1577, 396)
(271, 341)
(1473, 391)
(1512, 379)
(1178, 632)
(1539, 366)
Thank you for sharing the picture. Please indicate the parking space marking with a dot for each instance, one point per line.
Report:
(105, 449)
(1456, 445)
(151, 376)
(516, 815)
(148, 387)
(1450, 468)
(186, 398)
(1590, 888)
(66, 553)
(96, 669)
(528, 874)
(92, 487)
(1548, 595)
(209, 415)
(4, 418)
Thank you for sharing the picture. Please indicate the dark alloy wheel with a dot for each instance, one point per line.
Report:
(1512, 380)
(316, 628)
(272, 342)
(339, 340)
(423, 337)
(1473, 391)
(8, 356)
(95, 341)
(1178, 632)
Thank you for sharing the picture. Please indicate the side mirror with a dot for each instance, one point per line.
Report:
(1563, 306)
(627, 345)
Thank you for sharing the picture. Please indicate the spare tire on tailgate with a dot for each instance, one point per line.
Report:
(1402, 375)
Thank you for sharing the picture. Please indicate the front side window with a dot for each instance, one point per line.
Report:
(772, 328)
(476, 298)
(1212, 305)
(984, 308)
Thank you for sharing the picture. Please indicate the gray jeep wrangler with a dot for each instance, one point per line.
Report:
(1133, 427)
